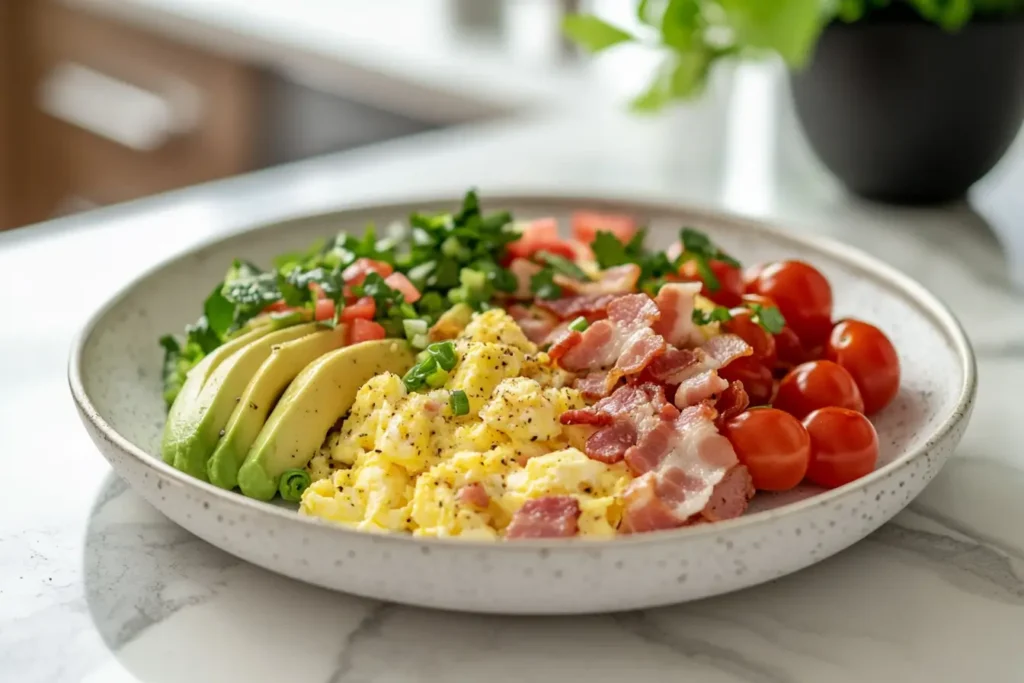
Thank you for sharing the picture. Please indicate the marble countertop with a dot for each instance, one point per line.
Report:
(96, 586)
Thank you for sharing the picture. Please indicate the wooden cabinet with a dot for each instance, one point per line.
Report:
(113, 113)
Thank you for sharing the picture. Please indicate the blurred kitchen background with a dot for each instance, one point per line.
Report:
(104, 101)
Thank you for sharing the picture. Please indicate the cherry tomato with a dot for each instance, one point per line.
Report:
(844, 446)
(743, 324)
(756, 378)
(364, 309)
(788, 348)
(773, 445)
(357, 272)
(586, 225)
(817, 384)
(870, 358)
(802, 294)
(401, 283)
(750, 276)
(365, 330)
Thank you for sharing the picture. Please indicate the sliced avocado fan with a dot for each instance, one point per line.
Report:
(321, 394)
(250, 413)
(182, 412)
(209, 412)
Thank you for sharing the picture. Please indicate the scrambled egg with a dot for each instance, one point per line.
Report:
(401, 459)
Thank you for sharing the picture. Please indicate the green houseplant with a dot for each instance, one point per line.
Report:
(906, 101)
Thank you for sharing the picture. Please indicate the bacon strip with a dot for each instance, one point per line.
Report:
(703, 386)
(624, 344)
(574, 306)
(682, 468)
(675, 301)
(545, 517)
(536, 324)
(732, 402)
(523, 269)
(474, 494)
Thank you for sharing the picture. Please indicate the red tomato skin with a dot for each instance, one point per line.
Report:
(356, 273)
(817, 384)
(586, 225)
(870, 358)
(773, 445)
(756, 378)
(750, 275)
(324, 309)
(277, 307)
(761, 341)
(803, 296)
(401, 283)
(844, 446)
(363, 309)
(730, 282)
(542, 235)
(365, 330)
(766, 302)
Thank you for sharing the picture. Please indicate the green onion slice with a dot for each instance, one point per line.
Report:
(579, 324)
(293, 483)
(459, 402)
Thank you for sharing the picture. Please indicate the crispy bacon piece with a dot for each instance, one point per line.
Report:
(609, 445)
(674, 366)
(703, 386)
(523, 269)
(545, 517)
(561, 343)
(679, 468)
(730, 496)
(617, 280)
(732, 402)
(624, 344)
(572, 307)
(675, 301)
(535, 323)
(723, 349)
(474, 494)
(594, 385)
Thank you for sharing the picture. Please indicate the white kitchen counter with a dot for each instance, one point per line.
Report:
(96, 586)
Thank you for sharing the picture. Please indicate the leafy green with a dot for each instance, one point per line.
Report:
(543, 284)
(698, 249)
(593, 33)
(655, 266)
(563, 266)
(719, 314)
(695, 35)
(178, 360)
(330, 283)
(768, 317)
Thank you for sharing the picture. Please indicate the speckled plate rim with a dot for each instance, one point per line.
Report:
(888, 277)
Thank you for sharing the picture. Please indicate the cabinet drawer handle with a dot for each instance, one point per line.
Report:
(140, 119)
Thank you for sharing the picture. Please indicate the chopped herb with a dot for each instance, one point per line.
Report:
(543, 284)
(444, 354)
(458, 402)
(579, 324)
(719, 314)
(768, 317)
(698, 248)
(437, 379)
(563, 266)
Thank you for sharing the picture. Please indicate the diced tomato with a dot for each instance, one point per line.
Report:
(540, 235)
(365, 330)
(401, 283)
(542, 229)
(586, 225)
(324, 309)
(364, 309)
(277, 307)
(357, 272)
(318, 291)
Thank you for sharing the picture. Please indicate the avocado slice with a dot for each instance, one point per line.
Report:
(209, 412)
(266, 387)
(322, 393)
(182, 411)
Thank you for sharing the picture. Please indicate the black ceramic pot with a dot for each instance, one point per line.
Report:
(904, 112)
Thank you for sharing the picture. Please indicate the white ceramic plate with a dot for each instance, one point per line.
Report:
(115, 378)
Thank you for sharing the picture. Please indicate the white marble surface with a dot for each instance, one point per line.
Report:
(96, 586)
